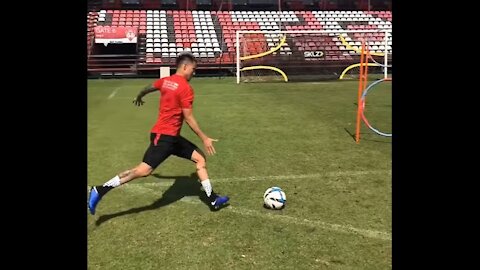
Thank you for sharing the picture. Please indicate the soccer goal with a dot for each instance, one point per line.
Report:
(308, 55)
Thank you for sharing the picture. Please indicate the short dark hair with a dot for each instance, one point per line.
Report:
(185, 58)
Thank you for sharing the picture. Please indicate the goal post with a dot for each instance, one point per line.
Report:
(310, 55)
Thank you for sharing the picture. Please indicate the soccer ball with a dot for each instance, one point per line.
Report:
(274, 198)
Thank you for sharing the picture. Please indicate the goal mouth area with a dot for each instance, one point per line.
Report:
(304, 55)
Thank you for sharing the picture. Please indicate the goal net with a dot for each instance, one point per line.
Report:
(307, 55)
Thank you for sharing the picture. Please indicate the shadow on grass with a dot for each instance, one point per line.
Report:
(181, 187)
(369, 137)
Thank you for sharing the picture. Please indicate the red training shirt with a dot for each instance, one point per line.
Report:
(176, 94)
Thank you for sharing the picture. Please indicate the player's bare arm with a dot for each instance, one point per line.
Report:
(192, 123)
(148, 89)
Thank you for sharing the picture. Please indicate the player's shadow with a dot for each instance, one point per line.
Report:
(181, 187)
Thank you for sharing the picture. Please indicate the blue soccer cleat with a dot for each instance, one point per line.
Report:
(93, 200)
(219, 202)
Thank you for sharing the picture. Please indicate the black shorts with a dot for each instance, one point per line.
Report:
(162, 146)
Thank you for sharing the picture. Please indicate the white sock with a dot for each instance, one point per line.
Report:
(114, 182)
(207, 187)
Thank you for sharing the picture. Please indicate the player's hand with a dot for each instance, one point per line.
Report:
(138, 101)
(208, 144)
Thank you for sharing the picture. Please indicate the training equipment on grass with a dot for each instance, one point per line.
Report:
(308, 55)
(363, 90)
(382, 59)
(363, 98)
(274, 198)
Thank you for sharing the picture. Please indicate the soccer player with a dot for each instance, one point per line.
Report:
(175, 106)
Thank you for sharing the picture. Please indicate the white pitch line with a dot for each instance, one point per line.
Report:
(321, 224)
(306, 222)
(279, 177)
(316, 82)
(228, 94)
(283, 218)
(169, 182)
(114, 92)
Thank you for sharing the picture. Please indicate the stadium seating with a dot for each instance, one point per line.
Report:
(210, 35)
(92, 20)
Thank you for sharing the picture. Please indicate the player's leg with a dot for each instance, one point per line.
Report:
(156, 153)
(186, 149)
